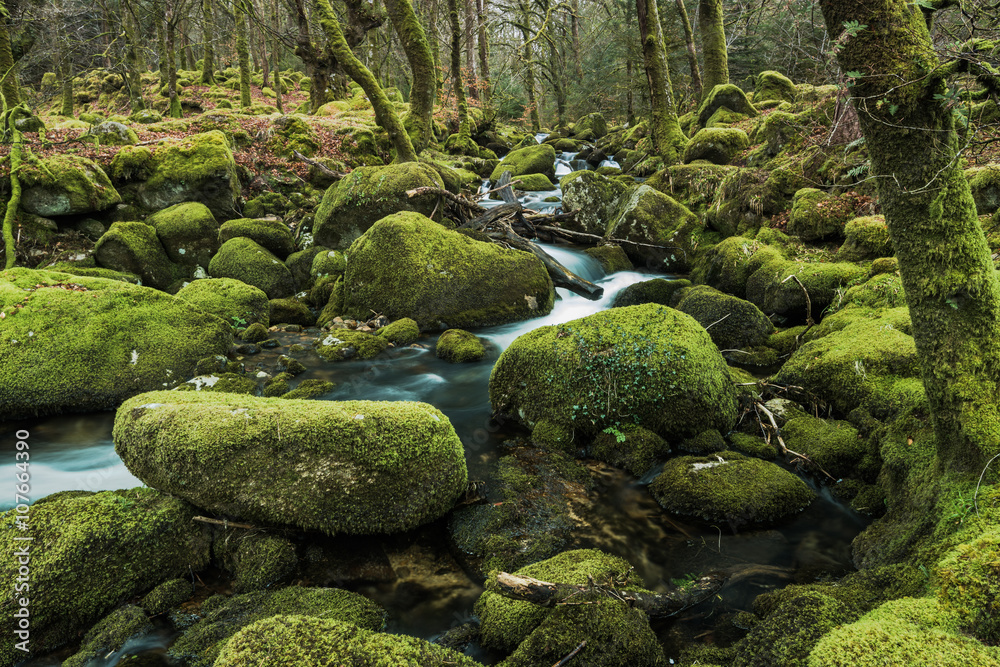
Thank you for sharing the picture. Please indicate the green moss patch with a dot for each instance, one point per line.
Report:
(232, 301)
(459, 346)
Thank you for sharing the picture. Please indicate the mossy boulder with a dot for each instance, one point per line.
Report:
(401, 332)
(593, 198)
(65, 185)
(134, 247)
(634, 449)
(328, 263)
(308, 641)
(611, 257)
(368, 194)
(309, 389)
(111, 133)
(110, 635)
(592, 125)
(645, 215)
(771, 85)
(777, 131)
(244, 259)
(222, 618)
(731, 322)
(257, 561)
(343, 344)
(731, 488)
(884, 290)
(272, 235)
(867, 238)
(657, 355)
(292, 133)
(968, 583)
(169, 594)
(459, 346)
(657, 290)
(358, 467)
(725, 95)
(817, 215)
(833, 445)
(232, 301)
(538, 159)
(534, 183)
(291, 311)
(409, 266)
(985, 185)
(100, 550)
(188, 233)
(718, 145)
(75, 344)
(768, 289)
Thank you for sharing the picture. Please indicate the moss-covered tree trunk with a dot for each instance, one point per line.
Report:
(133, 73)
(171, 30)
(242, 51)
(666, 129)
(276, 54)
(527, 61)
(464, 127)
(385, 115)
(419, 122)
(208, 36)
(944, 260)
(692, 52)
(7, 66)
(470, 48)
(484, 52)
(161, 43)
(713, 44)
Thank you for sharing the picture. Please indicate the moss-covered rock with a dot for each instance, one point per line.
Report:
(534, 183)
(356, 467)
(593, 198)
(188, 233)
(292, 133)
(408, 266)
(731, 322)
(258, 561)
(718, 145)
(817, 215)
(111, 133)
(645, 215)
(729, 487)
(634, 449)
(244, 259)
(459, 346)
(300, 264)
(867, 238)
(291, 311)
(968, 584)
(134, 247)
(985, 185)
(308, 389)
(538, 159)
(328, 263)
(592, 125)
(771, 85)
(768, 289)
(343, 344)
(110, 635)
(65, 185)
(401, 332)
(726, 95)
(166, 596)
(657, 290)
(368, 194)
(232, 301)
(833, 445)
(99, 550)
(272, 235)
(655, 355)
(307, 641)
(884, 290)
(752, 446)
(611, 257)
(222, 618)
(75, 344)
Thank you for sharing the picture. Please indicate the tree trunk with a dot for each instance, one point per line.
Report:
(161, 42)
(436, 52)
(242, 52)
(171, 30)
(713, 44)
(484, 55)
(419, 122)
(470, 47)
(464, 127)
(189, 59)
(691, 51)
(529, 72)
(133, 72)
(276, 52)
(385, 115)
(667, 136)
(7, 67)
(575, 32)
(208, 36)
(951, 285)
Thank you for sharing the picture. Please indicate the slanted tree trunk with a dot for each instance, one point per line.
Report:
(692, 52)
(713, 44)
(242, 51)
(385, 115)
(470, 47)
(484, 54)
(944, 260)
(208, 36)
(419, 122)
(7, 66)
(276, 53)
(667, 136)
(464, 127)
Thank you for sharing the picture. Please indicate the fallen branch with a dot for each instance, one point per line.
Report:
(781, 443)
(569, 656)
(600, 239)
(224, 523)
(809, 309)
(326, 171)
(458, 199)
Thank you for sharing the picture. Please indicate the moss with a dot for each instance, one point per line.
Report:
(459, 346)
(694, 185)
(716, 144)
(968, 584)
(65, 185)
(134, 247)
(779, 132)
(534, 183)
(593, 197)
(222, 618)
(817, 215)
(328, 263)
(110, 635)
(771, 85)
(99, 551)
(291, 311)
(272, 235)
(132, 163)
(552, 436)
(744, 200)
(188, 233)
(705, 442)
(834, 445)
(883, 265)
(368, 194)
(94, 342)
(166, 596)
(867, 238)
(724, 118)
(752, 446)
(884, 290)
(292, 133)
(731, 322)
(233, 383)
(611, 257)
(727, 95)
(310, 389)
(648, 216)
(729, 488)
(408, 266)
(985, 185)
(401, 332)
(617, 367)
(357, 467)
(257, 561)
(268, 203)
(232, 301)
(243, 259)
(275, 387)
(768, 289)
(94, 272)
(538, 159)
(300, 265)
(657, 290)
(342, 344)
(634, 449)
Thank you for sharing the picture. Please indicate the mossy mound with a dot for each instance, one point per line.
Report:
(99, 551)
(459, 346)
(65, 185)
(328, 263)
(222, 618)
(290, 311)
(592, 125)
(648, 216)
(110, 635)
(985, 185)
(258, 561)
(718, 145)
(729, 487)
(272, 235)
(343, 344)
(538, 159)
(771, 85)
(593, 198)
(657, 290)
(768, 289)
(817, 215)
(134, 247)
(111, 133)
(357, 467)
(244, 259)
(778, 131)
(884, 290)
(727, 95)
(292, 133)
(634, 449)
(401, 332)
(232, 301)
(611, 257)
(968, 583)
(167, 595)
(368, 194)
(867, 238)
(74, 344)
(300, 264)
(656, 355)
(833, 445)
(534, 183)
(188, 233)
(409, 266)
(731, 322)
(309, 389)
(306, 641)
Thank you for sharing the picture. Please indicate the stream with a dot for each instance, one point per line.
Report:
(429, 591)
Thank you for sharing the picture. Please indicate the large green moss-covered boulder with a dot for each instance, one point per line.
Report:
(272, 235)
(731, 488)
(731, 322)
(834, 446)
(188, 233)
(199, 168)
(134, 247)
(540, 159)
(817, 215)
(111, 133)
(718, 145)
(75, 344)
(768, 289)
(358, 467)
(110, 635)
(232, 301)
(409, 266)
(222, 618)
(771, 85)
(65, 185)
(657, 290)
(308, 641)
(648, 216)
(726, 95)
(593, 198)
(592, 125)
(617, 366)
(867, 238)
(968, 583)
(246, 260)
(368, 194)
(90, 553)
(292, 133)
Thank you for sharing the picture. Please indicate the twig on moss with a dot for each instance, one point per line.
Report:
(781, 443)
(224, 523)
(975, 496)
(810, 323)
(570, 655)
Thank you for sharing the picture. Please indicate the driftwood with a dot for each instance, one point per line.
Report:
(322, 167)
(656, 605)
(594, 238)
